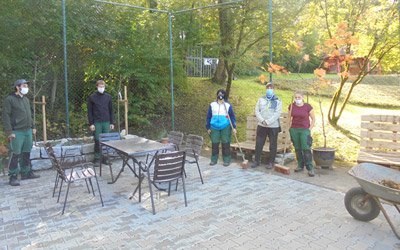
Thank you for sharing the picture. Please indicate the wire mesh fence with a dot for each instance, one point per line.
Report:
(123, 46)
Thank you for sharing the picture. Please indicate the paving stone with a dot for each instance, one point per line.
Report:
(234, 209)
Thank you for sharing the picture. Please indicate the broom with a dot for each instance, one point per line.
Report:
(245, 163)
(281, 167)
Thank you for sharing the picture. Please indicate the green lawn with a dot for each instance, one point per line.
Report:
(192, 104)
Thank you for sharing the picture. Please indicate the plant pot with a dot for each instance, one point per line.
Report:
(324, 157)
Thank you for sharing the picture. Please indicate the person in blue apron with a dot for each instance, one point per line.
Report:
(220, 116)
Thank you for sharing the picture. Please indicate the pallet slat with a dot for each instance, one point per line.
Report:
(380, 140)
(383, 159)
(380, 144)
(381, 118)
(366, 135)
(381, 126)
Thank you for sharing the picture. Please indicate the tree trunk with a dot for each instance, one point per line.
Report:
(54, 88)
(220, 74)
(226, 29)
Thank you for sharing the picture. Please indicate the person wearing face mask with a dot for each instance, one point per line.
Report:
(100, 116)
(268, 110)
(18, 126)
(302, 121)
(219, 128)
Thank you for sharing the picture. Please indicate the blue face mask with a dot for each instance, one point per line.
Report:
(270, 93)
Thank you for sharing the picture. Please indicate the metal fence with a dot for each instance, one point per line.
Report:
(32, 48)
(199, 66)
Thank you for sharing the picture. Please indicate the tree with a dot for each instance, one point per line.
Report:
(244, 29)
(364, 28)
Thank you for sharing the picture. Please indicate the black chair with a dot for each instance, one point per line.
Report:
(69, 159)
(106, 152)
(193, 146)
(175, 138)
(168, 167)
(85, 171)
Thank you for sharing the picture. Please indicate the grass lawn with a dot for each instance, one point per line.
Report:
(380, 95)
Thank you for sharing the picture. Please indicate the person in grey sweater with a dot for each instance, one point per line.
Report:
(268, 110)
(18, 126)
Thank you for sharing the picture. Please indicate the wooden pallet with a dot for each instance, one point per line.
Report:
(380, 140)
(248, 146)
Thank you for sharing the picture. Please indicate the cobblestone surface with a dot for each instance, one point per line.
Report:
(234, 209)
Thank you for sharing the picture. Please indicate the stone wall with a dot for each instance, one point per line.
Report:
(75, 153)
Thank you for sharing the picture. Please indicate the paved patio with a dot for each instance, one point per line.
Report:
(234, 209)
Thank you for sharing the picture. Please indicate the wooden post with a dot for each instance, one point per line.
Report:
(43, 103)
(44, 119)
(125, 101)
(126, 109)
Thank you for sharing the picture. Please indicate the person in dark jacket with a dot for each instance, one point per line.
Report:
(100, 116)
(219, 128)
(18, 126)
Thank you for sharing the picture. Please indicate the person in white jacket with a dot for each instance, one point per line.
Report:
(268, 110)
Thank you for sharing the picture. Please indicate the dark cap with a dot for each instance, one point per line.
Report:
(270, 84)
(19, 82)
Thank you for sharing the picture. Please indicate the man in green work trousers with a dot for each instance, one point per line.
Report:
(101, 117)
(18, 126)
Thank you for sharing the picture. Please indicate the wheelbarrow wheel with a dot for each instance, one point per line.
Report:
(361, 205)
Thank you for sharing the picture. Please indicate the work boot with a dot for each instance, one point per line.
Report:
(298, 169)
(213, 163)
(270, 165)
(13, 181)
(29, 175)
(255, 164)
(226, 164)
(96, 162)
(105, 161)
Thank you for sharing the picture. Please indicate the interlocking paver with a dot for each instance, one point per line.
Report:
(234, 209)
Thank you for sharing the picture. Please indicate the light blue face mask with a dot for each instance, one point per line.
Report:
(270, 93)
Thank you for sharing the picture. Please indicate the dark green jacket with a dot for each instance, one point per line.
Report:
(17, 114)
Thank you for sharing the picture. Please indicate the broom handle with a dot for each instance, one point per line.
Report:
(290, 124)
(234, 134)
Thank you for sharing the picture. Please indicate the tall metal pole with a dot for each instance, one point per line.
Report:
(270, 35)
(171, 66)
(65, 65)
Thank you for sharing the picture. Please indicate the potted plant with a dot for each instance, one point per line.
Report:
(323, 156)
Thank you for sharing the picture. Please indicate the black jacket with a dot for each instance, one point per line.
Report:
(17, 113)
(100, 108)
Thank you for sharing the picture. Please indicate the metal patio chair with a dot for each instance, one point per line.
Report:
(168, 167)
(77, 161)
(84, 171)
(175, 138)
(193, 146)
(106, 152)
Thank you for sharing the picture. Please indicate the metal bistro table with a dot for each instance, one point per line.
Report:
(132, 149)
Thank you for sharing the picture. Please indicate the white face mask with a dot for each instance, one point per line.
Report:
(101, 90)
(24, 91)
(298, 101)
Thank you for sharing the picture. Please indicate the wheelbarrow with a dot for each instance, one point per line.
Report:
(365, 203)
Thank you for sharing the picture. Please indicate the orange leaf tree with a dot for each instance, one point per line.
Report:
(364, 29)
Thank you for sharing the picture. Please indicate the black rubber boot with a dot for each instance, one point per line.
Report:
(26, 169)
(13, 181)
(29, 175)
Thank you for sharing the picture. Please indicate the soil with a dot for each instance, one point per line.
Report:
(391, 184)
